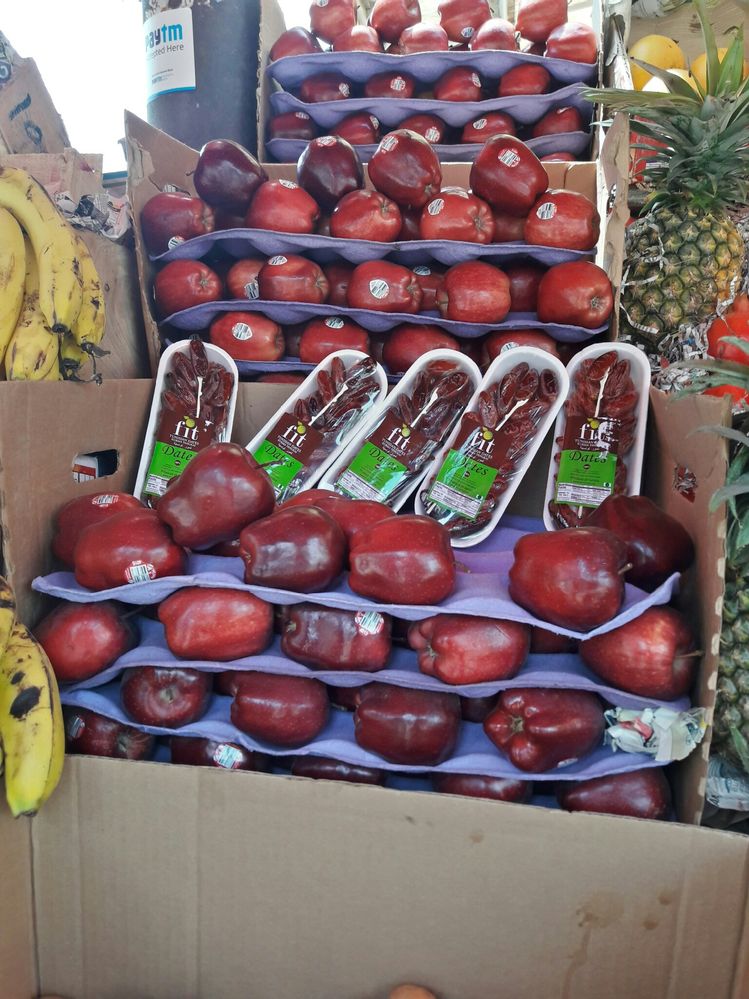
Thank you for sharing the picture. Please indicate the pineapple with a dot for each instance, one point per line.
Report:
(684, 256)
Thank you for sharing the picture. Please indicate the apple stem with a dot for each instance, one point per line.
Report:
(625, 568)
(462, 567)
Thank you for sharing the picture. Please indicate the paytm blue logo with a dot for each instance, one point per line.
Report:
(161, 36)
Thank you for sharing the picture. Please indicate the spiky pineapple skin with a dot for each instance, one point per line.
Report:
(732, 695)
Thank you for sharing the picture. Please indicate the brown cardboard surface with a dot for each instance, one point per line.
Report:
(29, 121)
(163, 882)
(17, 956)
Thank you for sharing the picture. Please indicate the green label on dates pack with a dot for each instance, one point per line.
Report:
(281, 467)
(462, 484)
(286, 452)
(384, 461)
(167, 462)
(587, 463)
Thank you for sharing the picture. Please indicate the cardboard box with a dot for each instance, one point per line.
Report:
(29, 122)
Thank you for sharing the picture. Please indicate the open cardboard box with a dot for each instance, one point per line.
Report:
(150, 880)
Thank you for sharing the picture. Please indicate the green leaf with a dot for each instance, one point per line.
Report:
(737, 341)
(674, 83)
(738, 488)
(732, 67)
(711, 48)
(727, 432)
(741, 746)
(742, 536)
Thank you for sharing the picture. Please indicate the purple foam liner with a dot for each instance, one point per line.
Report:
(577, 143)
(199, 318)
(474, 753)
(390, 111)
(560, 671)
(426, 67)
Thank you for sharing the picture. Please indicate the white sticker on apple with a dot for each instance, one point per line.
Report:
(288, 183)
(475, 79)
(225, 755)
(140, 572)
(375, 121)
(326, 140)
(106, 499)
(252, 289)
(343, 88)
(389, 143)
(432, 135)
(509, 157)
(75, 726)
(422, 270)
(378, 288)
(436, 206)
(546, 211)
(508, 346)
(302, 115)
(398, 83)
(467, 31)
(369, 622)
(175, 241)
(241, 331)
(479, 124)
(276, 261)
(334, 323)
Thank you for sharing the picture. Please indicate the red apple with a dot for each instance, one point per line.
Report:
(456, 214)
(322, 337)
(385, 287)
(411, 229)
(328, 169)
(241, 278)
(207, 753)
(328, 18)
(344, 698)
(282, 710)
(331, 639)
(282, 206)
(572, 578)
(524, 281)
(301, 549)
(558, 121)
(247, 336)
(292, 279)
(173, 216)
(413, 727)
(475, 292)
(181, 284)
(324, 768)
(480, 786)
(539, 729)
(577, 293)
(216, 624)
(165, 697)
(324, 87)
(643, 794)
(278, 378)
(429, 126)
(460, 649)
(652, 656)
(366, 215)
(81, 640)
(292, 125)
(227, 176)
(544, 642)
(390, 18)
(91, 734)
(458, 84)
(495, 343)
(352, 516)
(461, 18)
(359, 38)
(475, 709)
(339, 277)
(536, 19)
(390, 85)
(130, 547)
(508, 228)
(359, 129)
(508, 175)
(228, 682)
(430, 279)
(490, 124)
(406, 344)
(76, 515)
(564, 219)
(422, 37)
(572, 40)
(405, 168)
(294, 41)
(525, 79)
(496, 33)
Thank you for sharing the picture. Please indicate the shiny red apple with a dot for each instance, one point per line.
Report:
(496, 33)
(292, 278)
(480, 786)
(423, 37)
(293, 41)
(366, 215)
(216, 623)
(285, 711)
(331, 639)
(406, 344)
(642, 794)
(328, 18)
(91, 734)
(432, 128)
(359, 129)
(390, 18)
(414, 727)
(130, 547)
(455, 213)
(536, 19)
(475, 292)
(181, 284)
(241, 278)
(359, 38)
(227, 176)
(283, 206)
(165, 697)
(384, 287)
(508, 175)
(405, 168)
(247, 336)
(301, 549)
(559, 120)
(322, 337)
(565, 219)
(198, 752)
(489, 124)
(324, 87)
(328, 169)
(292, 125)
(77, 514)
(461, 18)
(173, 216)
(524, 80)
(458, 84)
(81, 640)
(461, 649)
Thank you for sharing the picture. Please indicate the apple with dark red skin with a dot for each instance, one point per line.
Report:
(458, 84)
(294, 41)
(300, 549)
(642, 794)
(490, 124)
(564, 219)
(227, 176)
(536, 19)
(558, 121)
(278, 378)
(292, 279)
(475, 292)
(344, 698)
(247, 336)
(359, 129)
(412, 727)
(495, 343)
(390, 85)
(181, 284)
(572, 40)
(351, 515)
(405, 168)
(430, 278)
(359, 38)
(545, 642)
(390, 18)
(456, 214)
(406, 344)
(189, 505)
(292, 125)
(324, 87)
(571, 578)
(165, 696)
(658, 545)
(403, 560)
(198, 752)
(339, 278)
(540, 729)
(328, 18)
(652, 656)
(423, 37)
(526, 79)
(411, 229)
(432, 128)
(577, 293)
(241, 278)
(171, 215)
(508, 228)
(366, 215)
(328, 169)
(384, 287)
(496, 33)
(216, 624)
(475, 709)
(323, 226)
(282, 710)
(508, 175)
(322, 337)
(461, 18)
(91, 734)
(324, 768)
(283, 206)
(126, 548)
(228, 682)
(81, 640)
(524, 281)
(332, 639)
(480, 786)
(460, 649)
(78, 514)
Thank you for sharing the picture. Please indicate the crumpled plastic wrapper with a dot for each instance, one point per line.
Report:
(727, 786)
(99, 213)
(663, 733)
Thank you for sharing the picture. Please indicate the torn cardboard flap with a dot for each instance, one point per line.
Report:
(29, 121)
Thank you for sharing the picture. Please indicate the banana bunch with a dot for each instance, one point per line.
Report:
(52, 313)
(31, 726)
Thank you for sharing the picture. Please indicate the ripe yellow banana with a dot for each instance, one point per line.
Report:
(90, 321)
(60, 281)
(12, 275)
(72, 357)
(33, 350)
(31, 725)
